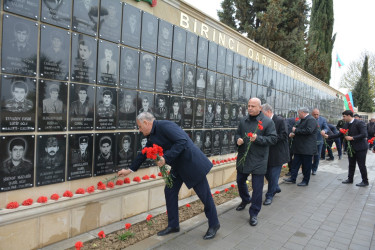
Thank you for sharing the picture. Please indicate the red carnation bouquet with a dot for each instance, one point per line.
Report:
(350, 149)
(249, 135)
(155, 153)
(371, 141)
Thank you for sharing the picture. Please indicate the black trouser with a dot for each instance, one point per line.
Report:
(360, 158)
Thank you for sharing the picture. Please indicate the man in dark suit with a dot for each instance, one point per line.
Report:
(189, 166)
(304, 146)
(291, 122)
(322, 127)
(357, 137)
(278, 154)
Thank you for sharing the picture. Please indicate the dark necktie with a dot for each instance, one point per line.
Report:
(107, 67)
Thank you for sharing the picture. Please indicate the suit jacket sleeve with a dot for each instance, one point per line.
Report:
(269, 136)
(324, 127)
(282, 134)
(139, 159)
(308, 129)
(362, 131)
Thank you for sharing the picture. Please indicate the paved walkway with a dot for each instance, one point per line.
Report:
(325, 215)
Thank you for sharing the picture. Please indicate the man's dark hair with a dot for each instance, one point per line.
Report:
(108, 92)
(357, 115)
(105, 139)
(82, 88)
(20, 85)
(85, 43)
(126, 138)
(348, 112)
(17, 142)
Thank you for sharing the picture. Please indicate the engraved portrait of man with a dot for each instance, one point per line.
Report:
(52, 104)
(106, 108)
(19, 102)
(16, 164)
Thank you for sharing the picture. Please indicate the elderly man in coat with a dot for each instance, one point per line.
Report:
(278, 154)
(322, 129)
(304, 146)
(256, 159)
(189, 165)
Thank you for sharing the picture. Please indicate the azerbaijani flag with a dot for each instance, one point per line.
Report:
(348, 103)
(338, 60)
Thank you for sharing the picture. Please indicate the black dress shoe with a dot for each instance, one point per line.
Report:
(340, 157)
(253, 221)
(242, 206)
(211, 232)
(330, 159)
(289, 180)
(347, 181)
(302, 184)
(313, 172)
(277, 191)
(362, 184)
(267, 202)
(169, 230)
(288, 174)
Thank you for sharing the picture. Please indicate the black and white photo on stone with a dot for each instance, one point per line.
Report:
(81, 109)
(80, 148)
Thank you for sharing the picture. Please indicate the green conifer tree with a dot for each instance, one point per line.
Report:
(227, 14)
(362, 94)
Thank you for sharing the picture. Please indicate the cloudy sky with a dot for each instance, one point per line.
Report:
(354, 22)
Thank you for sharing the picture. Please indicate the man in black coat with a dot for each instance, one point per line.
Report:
(304, 146)
(278, 154)
(189, 166)
(357, 137)
(255, 161)
(290, 122)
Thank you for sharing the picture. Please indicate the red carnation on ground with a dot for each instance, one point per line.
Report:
(127, 180)
(68, 193)
(137, 179)
(128, 225)
(42, 199)
(12, 205)
(146, 177)
(110, 184)
(78, 245)
(55, 197)
(148, 218)
(213, 162)
(101, 234)
(80, 191)
(225, 160)
(217, 192)
(90, 189)
(101, 186)
(27, 202)
(221, 161)
(188, 205)
(217, 162)
(119, 182)
(233, 186)
(159, 174)
(226, 190)
(153, 176)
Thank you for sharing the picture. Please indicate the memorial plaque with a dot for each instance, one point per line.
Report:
(57, 13)
(86, 16)
(211, 85)
(236, 65)
(235, 89)
(270, 94)
(19, 46)
(162, 105)
(83, 65)
(202, 56)
(129, 68)
(50, 162)
(201, 83)
(175, 110)
(197, 139)
(207, 145)
(191, 48)
(254, 88)
(110, 20)
(228, 88)
(255, 72)
(131, 26)
(261, 93)
(218, 118)
(147, 72)
(179, 43)
(52, 106)
(241, 111)
(126, 149)
(212, 55)
(23, 8)
(163, 75)
(209, 114)
(17, 162)
(219, 87)
(177, 78)
(232, 141)
(242, 91)
(106, 108)
(243, 67)
(54, 59)
(199, 113)
(141, 143)
(278, 79)
(165, 39)
(250, 71)
(187, 114)
(108, 58)
(260, 74)
(127, 109)
(189, 84)
(216, 145)
(226, 115)
(80, 148)
(18, 104)
(149, 31)
(248, 92)
(266, 76)
(233, 116)
(145, 102)
(229, 62)
(221, 59)
(224, 137)
(105, 154)
(81, 110)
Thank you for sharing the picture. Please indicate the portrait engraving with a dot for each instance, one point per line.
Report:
(191, 48)
(202, 56)
(161, 107)
(147, 72)
(110, 20)
(57, 12)
(201, 83)
(108, 63)
(177, 77)
(199, 113)
(165, 38)
(86, 15)
(127, 109)
(129, 68)
(189, 84)
(80, 148)
(131, 26)
(81, 110)
(105, 154)
(106, 108)
(163, 75)
(179, 44)
(149, 31)
(126, 146)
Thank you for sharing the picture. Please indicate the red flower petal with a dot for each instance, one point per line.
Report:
(12, 205)
(226, 190)
(146, 177)
(110, 184)
(127, 180)
(233, 186)
(101, 234)
(217, 192)
(128, 225)
(153, 176)
(27, 202)
(119, 182)
(68, 193)
(188, 205)
(90, 189)
(137, 179)
(260, 122)
(78, 245)
(42, 199)
(159, 174)
(80, 191)
(55, 197)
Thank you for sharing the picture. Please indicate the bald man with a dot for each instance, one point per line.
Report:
(256, 159)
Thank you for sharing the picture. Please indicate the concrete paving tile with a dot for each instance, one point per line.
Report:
(312, 247)
(293, 246)
(338, 245)
(358, 247)
(342, 240)
(361, 242)
(317, 243)
(301, 240)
